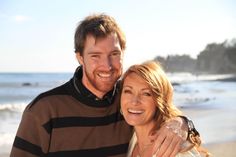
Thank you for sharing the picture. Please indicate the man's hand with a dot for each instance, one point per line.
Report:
(169, 138)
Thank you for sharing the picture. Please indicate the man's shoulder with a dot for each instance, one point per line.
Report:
(57, 91)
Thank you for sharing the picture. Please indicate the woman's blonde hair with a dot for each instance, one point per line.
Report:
(153, 74)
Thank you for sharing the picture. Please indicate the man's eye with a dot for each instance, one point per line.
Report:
(115, 53)
(95, 56)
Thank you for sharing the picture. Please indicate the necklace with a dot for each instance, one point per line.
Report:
(140, 152)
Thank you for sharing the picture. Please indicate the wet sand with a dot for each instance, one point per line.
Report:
(227, 149)
(214, 130)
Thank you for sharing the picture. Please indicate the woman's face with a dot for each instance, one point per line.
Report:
(137, 103)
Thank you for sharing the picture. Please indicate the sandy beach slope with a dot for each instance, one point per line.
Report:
(227, 149)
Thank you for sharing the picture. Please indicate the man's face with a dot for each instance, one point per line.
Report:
(102, 61)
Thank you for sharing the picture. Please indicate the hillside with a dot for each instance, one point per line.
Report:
(214, 59)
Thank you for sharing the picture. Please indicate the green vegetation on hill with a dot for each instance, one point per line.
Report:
(215, 59)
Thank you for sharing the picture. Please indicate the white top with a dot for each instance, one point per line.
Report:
(191, 153)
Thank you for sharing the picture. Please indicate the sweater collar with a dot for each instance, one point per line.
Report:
(91, 99)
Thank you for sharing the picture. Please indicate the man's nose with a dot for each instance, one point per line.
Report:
(107, 63)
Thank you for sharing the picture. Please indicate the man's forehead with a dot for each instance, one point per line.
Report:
(90, 38)
(108, 44)
(94, 39)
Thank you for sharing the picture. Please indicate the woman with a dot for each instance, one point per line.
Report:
(146, 104)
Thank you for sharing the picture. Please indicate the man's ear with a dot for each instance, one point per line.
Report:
(80, 58)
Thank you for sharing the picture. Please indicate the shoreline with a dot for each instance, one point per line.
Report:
(231, 78)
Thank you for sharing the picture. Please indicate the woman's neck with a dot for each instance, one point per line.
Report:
(144, 145)
(143, 132)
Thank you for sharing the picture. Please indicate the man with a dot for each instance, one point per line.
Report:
(81, 117)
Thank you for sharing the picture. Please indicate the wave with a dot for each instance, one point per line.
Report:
(6, 141)
(29, 84)
(188, 77)
(12, 108)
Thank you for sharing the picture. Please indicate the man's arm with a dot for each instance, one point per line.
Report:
(170, 137)
(31, 139)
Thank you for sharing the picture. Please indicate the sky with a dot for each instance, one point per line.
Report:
(37, 35)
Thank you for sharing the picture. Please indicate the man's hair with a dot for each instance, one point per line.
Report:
(99, 26)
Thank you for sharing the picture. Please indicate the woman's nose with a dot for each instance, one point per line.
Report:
(135, 100)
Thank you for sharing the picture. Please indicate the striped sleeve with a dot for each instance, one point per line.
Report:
(31, 139)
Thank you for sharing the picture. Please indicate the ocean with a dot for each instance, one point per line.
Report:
(208, 102)
(16, 91)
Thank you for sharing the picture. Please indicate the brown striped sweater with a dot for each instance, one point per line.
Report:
(69, 121)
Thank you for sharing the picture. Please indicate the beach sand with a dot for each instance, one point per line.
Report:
(213, 131)
(222, 149)
(4, 155)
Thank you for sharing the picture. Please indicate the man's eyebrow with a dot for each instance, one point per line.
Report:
(116, 50)
(95, 52)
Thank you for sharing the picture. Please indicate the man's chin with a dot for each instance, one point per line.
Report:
(106, 89)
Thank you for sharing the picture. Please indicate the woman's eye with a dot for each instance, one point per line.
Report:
(147, 94)
(126, 91)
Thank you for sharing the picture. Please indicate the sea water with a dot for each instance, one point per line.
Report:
(214, 100)
(211, 105)
(16, 91)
